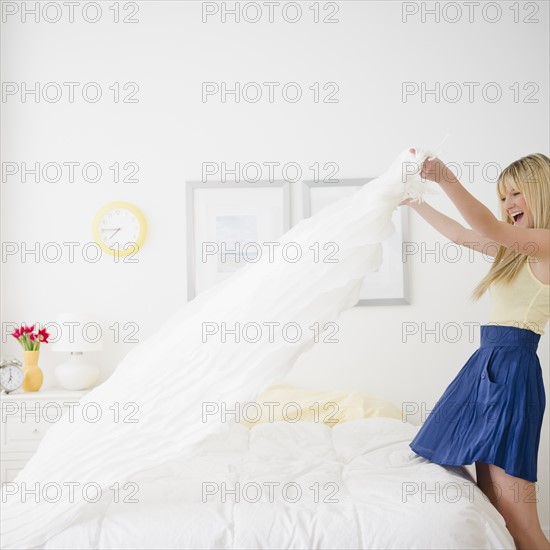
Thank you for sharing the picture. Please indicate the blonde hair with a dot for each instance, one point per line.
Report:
(529, 175)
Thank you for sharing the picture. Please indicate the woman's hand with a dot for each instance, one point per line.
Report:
(436, 170)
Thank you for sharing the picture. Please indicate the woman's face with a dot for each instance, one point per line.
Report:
(516, 208)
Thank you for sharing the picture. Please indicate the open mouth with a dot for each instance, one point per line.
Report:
(517, 216)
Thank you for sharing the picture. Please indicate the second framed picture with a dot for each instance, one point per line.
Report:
(390, 284)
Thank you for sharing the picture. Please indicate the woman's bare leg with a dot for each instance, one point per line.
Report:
(516, 500)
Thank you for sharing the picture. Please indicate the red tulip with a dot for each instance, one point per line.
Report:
(28, 339)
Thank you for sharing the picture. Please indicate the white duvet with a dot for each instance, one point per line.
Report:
(298, 486)
(171, 374)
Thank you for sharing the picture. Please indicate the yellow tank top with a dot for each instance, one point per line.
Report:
(525, 303)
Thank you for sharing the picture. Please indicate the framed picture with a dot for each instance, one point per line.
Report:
(227, 224)
(390, 284)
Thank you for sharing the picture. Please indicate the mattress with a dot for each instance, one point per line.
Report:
(295, 485)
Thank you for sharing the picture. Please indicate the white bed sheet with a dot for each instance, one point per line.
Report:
(217, 370)
(369, 468)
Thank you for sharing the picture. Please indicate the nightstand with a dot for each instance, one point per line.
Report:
(25, 419)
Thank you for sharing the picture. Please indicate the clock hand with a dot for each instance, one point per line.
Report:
(115, 229)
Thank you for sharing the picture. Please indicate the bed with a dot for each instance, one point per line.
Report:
(335, 481)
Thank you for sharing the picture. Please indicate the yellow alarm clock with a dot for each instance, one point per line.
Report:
(120, 228)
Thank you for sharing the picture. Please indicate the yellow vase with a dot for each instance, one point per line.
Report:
(32, 375)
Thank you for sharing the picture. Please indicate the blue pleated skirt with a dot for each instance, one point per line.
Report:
(493, 409)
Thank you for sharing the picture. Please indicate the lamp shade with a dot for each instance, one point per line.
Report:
(78, 332)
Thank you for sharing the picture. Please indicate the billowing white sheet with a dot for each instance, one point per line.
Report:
(306, 292)
(299, 486)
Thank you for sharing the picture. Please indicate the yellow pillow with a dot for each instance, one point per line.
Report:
(374, 406)
(283, 402)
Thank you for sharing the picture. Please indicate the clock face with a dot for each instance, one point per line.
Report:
(120, 228)
(11, 378)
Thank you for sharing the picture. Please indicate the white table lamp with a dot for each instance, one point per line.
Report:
(79, 333)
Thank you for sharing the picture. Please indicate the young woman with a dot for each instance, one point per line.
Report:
(492, 412)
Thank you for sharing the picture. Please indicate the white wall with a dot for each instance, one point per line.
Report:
(369, 53)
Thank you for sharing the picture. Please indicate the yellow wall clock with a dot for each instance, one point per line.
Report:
(120, 228)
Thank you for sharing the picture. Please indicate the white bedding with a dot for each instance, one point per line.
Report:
(194, 369)
(367, 464)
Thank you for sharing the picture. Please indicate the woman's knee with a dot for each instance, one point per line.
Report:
(514, 498)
